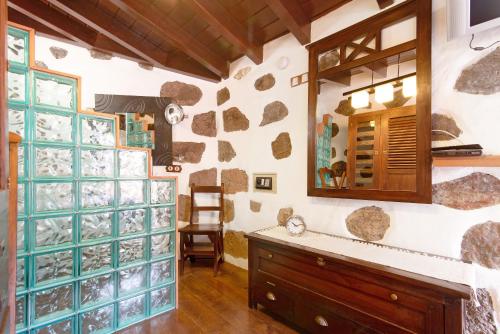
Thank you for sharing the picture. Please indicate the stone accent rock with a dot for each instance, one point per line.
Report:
(97, 54)
(274, 112)
(481, 77)
(328, 59)
(345, 108)
(41, 64)
(369, 223)
(235, 244)
(345, 152)
(474, 191)
(228, 210)
(480, 319)
(204, 177)
(283, 215)
(181, 93)
(265, 82)
(335, 129)
(481, 244)
(234, 180)
(205, 124)
(226, 151)
(398, 101)
(338, 168)
(145, 66)
(334, 153)
(234, 120)
(242, 72)
(223, 95)
(187, 151)
(444, 123)
(282, 146)
(58, 53)
(184, 207)
(255, 206)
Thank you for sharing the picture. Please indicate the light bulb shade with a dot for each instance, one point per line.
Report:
(410, 86)
(384, 93)
(360, 99)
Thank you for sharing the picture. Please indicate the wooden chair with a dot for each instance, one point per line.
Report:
(215, 232)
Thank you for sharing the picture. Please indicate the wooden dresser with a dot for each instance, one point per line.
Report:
(323, 292)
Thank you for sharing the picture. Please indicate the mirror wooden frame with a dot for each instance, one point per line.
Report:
(422, 10)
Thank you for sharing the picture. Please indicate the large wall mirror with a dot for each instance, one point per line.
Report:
(369, 108)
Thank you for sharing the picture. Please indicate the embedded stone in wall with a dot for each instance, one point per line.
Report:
(205, 177)
(335, 129)
(226, 151)
(242, 72)
(235, 180)
(234, 120)
(328, 59)
(145, 66)
(345, 152)
(255, 206)
(369, 223)
(184, 207)
(479, 319)
(187, 151)
(228, 210)
(481, 77)
(274, 112)
(58, 53)
(283, 215)
(265, 82)
(282, 146)
(480, 244)
(97, 54)
(338, 168)
(334, 153)
(398, 101)
(181, 93)
(40, 64)
(474, 191)
(444, 124)
(223, 95)
(204, 124)
(345, 108)
(235, 244)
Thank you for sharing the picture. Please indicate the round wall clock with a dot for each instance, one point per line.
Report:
(295, 226)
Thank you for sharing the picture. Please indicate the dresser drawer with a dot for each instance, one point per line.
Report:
(273, 299)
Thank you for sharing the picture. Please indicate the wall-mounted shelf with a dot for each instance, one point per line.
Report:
(479, 161)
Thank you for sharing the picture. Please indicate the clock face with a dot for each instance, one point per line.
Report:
(295, 225)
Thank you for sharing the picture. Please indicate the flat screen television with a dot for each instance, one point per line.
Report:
(471, 16)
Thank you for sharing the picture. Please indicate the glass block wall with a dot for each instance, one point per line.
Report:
(96, 234)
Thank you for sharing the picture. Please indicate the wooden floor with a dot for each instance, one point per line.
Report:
(209, 304)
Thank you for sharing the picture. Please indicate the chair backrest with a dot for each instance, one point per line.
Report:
(207, 190)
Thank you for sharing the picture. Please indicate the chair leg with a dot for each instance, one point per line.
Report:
(222, 245)
(182, 236)
(216, 254)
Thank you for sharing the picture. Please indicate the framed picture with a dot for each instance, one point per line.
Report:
(264, 182)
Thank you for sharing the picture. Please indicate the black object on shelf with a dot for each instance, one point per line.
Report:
(458, 151)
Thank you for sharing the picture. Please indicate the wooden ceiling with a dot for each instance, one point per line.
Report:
(194, 37)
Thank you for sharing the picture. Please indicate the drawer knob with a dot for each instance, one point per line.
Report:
(270, 256)
(394, 296)
(321, 321)
(320, 261)
(270, 296)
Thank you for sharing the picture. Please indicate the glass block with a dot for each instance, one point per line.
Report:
(131, 192)
(161, 272)
(16, 87)
(20, 236)
(20, 312)
(61, 327)
(20, 274)
(97, 321)
(53, 162)
(96, 258)
(16, 48)
(53, 196)
(131, 309)
(132, 279)
(132, 250)
(53, 231)
(132, 221)
(52, 92)
(96, 225)
(161, 244)
(162, 192)
(97, 163)
(53, 127)
(52, 266)
(20, 199)
(20, 161)
(162, 218)
(96, 289)
(53, 302)
(17, 121)
(133, 163)
(97, 193)
(96, 131)
(161, 299)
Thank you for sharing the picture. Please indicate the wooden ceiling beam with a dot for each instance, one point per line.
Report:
(293, 17)
(384, 3)
(41, 29)
(86, 13)
(174, 34)
(217, 16)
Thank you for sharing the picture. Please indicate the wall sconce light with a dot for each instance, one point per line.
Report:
(384, 93)
(360, 99)
(410, 86)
